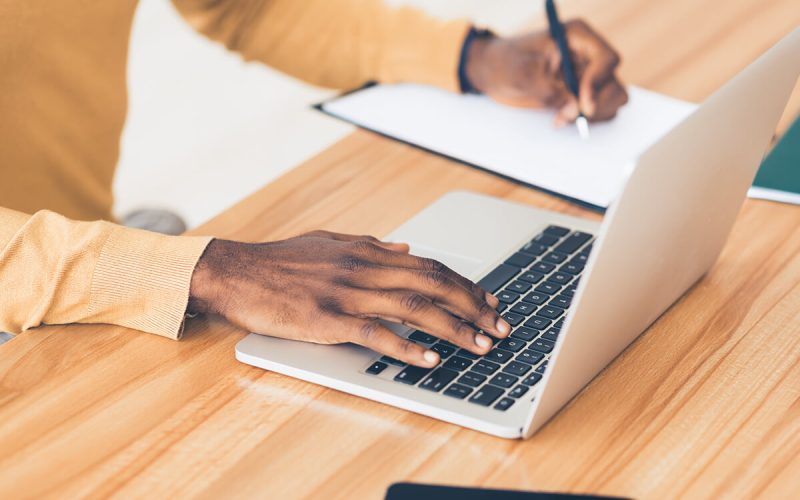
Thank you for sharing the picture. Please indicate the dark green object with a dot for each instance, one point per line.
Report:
(781, 168)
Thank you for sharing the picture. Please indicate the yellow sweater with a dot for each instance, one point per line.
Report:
(62, 108)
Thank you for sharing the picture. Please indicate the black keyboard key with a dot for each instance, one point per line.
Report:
(511, 344)
(548, 288)
(556, 231)
(392, 361)
(517, 368)
(458, 391)
(499, 276)
(498, 355)
(519, 287)
(581, 258)
(570, 290)
(541, 368)
(376, 367)
(439, 379)
(412, 374)
(560, 278)
(422, 337)
(507, 297)
(444, 350)
(541, 346)
(561, 301)
(523, 308)
(503, 380)
(520, 259)
(551, 312)
(485, 367)
(466, 354)
(449, 344)
(559, 323)
(504, 404)
(551, 335)
(472, 379)
(538, 323)
(486, 395)
(518, 391)
(573, 242)
(536, 298)
(546, 239)
(513, 319)
(530, 357)
(532, 379)
(531, 277)
(533, 248)
(501, 307)
(525, 334)
(543, 267)
(457, 363)
(555, 257)
(572, 267)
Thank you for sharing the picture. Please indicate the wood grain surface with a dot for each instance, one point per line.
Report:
(705, 404)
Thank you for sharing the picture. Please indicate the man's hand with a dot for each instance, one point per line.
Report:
(525, 71)
(332, 288)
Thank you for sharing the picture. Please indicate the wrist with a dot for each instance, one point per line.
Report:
(474, 68)
(205, 283)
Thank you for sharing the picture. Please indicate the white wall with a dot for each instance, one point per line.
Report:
(205, 129)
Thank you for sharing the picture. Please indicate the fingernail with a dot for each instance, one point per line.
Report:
(503, 327)
(401, 247)
(483, 341)
(492, 300)
(431, 357)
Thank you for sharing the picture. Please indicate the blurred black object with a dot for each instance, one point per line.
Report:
(411, 491)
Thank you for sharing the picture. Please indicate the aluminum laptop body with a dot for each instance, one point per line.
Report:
(660, 236)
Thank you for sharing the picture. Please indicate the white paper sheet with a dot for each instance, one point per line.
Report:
(518, 143)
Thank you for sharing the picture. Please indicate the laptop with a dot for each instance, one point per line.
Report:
(576, 292)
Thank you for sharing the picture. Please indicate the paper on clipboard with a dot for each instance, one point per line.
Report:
(518, 143)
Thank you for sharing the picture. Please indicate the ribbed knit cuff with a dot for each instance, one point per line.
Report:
(425, 51)
(142, 280)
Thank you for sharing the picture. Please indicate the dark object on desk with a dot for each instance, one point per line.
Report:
(410, 491)
(559, 35)
(778, 178)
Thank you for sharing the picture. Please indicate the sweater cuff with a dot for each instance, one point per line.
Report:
(428, 52)
(142, 279)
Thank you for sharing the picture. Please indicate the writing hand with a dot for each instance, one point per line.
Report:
(525, 71)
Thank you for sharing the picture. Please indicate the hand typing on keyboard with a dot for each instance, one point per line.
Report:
(332, 288)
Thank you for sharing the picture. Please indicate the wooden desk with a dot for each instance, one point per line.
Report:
(704, 404)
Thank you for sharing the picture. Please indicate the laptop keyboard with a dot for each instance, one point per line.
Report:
(535, 287)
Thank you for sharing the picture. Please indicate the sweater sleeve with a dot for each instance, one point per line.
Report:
(335, 43)
(56, 271)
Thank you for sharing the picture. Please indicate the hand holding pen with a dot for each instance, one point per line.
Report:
(526, 71)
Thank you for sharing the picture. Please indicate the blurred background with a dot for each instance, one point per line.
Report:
(206, 129)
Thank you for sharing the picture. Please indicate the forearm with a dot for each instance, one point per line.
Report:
(56, 271)
(335, 43)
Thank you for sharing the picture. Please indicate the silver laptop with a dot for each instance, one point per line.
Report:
(577, 292)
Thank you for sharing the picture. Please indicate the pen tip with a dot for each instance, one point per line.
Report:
(583, 127)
